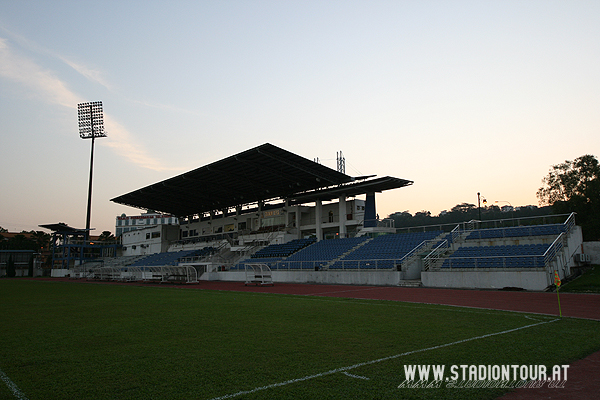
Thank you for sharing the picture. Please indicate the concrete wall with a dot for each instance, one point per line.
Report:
(574, 246)
(529, 280)
(60, 272)
(593, 250)
(376, 278)
(23, 272)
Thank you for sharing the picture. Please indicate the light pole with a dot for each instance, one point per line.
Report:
(91, 126)
(512, 209)
(479, 199)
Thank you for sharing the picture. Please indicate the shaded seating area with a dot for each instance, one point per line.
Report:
(170, 258)
(275, 253)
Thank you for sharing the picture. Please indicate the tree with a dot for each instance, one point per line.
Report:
(574, 186)
(463, 208)
(42, 239)
(20, 242)
(106, 236)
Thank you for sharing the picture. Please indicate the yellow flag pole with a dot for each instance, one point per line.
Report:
(557, 282)
(558, 297)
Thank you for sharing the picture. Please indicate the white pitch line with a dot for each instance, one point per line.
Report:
(340, 291)
(13, 388)
(342, 369)
(355, 376)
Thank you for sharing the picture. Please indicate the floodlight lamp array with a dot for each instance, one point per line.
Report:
(91, 120)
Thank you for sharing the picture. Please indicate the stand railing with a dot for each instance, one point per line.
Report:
(435, 255)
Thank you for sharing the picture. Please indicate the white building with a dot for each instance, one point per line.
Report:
(149, 240)
(125, 223)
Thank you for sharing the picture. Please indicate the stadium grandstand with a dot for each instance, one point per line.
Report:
(295, 220)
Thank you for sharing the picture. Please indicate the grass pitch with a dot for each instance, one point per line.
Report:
(589, 282)
(64, 340)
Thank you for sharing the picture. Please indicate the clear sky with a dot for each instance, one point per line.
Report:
(458, 96)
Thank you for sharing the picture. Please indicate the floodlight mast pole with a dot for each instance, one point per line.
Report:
(89, 199)
(90, 129)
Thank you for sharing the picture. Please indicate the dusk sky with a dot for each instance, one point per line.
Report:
(458, 96)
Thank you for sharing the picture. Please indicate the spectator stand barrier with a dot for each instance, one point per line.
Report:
(435, 255)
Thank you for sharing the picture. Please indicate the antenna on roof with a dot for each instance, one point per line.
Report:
(341, 162)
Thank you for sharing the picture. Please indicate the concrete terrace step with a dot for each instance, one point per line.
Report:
(410, 283)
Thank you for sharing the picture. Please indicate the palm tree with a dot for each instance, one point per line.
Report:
(106, 236)
(42, 239)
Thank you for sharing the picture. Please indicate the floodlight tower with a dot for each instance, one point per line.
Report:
(91, 126)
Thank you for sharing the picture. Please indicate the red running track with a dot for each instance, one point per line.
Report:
(572, 304)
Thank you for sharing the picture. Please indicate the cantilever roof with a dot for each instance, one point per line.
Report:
(351, 189)
(62, 227)
(262, 173)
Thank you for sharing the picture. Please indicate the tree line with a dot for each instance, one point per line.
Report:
(32, 240)
(571, 186)
(465, 212)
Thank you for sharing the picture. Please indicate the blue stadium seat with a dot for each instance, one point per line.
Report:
(518, 256)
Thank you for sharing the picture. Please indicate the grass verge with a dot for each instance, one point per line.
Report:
(588, 282)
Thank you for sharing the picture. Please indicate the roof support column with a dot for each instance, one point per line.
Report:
(238, 209)
(370, 213)
(260, 214)
(318, 218)
(342, 212)
(287, 215)
(298, 221)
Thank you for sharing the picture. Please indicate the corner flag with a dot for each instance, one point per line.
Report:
(557, 283)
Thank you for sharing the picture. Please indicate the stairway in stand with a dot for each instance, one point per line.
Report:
(410, 283)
